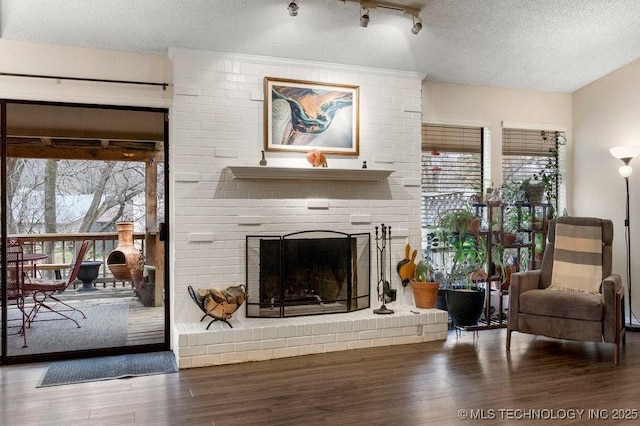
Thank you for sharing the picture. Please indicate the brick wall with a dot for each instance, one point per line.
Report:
(217, 121)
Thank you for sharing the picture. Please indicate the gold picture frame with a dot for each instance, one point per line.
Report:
(302, 116)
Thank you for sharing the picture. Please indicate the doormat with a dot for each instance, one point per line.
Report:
(107, 368)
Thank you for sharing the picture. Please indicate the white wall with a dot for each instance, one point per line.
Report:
(606, 114)
(64, 61)
(491, 106)
(217, 121)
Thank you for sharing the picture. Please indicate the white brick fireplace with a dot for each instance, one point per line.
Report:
(217, 123)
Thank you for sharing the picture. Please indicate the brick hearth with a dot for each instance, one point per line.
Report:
(259, 339)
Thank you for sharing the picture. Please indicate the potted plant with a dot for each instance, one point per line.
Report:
(550, 176)
(464, 299)
(460, 221)
(510, 224)
(514, 192)
(425, 289)
(443, 286)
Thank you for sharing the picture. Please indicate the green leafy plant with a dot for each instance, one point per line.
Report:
(424, 272)
(462, 248)
(517, 218)
(515, 191)
(456, 220)
(550, 175)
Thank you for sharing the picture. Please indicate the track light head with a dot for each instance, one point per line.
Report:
(293, 8)
(364, 17)
(417, 25)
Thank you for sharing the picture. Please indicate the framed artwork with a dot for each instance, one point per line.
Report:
(304, 115)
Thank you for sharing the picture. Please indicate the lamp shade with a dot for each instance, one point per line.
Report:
(626, 153)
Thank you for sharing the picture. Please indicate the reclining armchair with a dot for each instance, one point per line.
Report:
(574, 295)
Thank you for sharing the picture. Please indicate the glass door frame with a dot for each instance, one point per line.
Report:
(163, 235)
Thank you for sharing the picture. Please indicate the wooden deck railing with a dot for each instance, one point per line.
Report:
(62, 248)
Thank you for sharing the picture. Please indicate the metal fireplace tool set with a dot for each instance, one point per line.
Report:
(385, 293)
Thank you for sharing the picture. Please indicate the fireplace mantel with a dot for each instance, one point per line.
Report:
(313, 173)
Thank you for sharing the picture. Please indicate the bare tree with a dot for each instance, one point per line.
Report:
(24, 200)
(15, 166)
(97, 208)
(50, 180)
(45, 194)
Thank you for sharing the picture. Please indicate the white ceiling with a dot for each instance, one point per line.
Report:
(551, 45)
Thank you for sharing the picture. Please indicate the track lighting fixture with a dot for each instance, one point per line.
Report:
(364, 17)
(293, 8)
(417, 25)
(366, 5)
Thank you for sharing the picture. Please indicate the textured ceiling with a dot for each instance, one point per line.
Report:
(549, 45)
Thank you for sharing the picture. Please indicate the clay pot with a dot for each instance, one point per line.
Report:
(425, 294)
(508, 238)
(125, 256)
(137, 277)
(473, 226)
(510, 269)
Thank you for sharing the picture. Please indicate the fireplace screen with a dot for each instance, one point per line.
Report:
(307, 273)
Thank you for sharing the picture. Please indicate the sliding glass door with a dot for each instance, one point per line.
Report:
(83, 200)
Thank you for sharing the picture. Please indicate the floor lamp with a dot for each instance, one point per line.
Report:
(626, 154)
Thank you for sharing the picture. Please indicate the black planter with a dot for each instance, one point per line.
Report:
(88, 272)
(441, 300)
(465, 306)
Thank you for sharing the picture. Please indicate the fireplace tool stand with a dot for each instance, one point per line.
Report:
(385, 293)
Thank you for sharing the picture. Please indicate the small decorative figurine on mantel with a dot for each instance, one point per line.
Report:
(316, 158)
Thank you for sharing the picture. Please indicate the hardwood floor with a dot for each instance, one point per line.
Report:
(427, 383)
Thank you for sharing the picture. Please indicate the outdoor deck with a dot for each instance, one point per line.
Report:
(144, 325)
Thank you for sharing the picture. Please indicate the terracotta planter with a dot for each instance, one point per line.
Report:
(425, 294)
(508, 238)
(473, 226)
(508, 270)
(137, 277)
(126, 255)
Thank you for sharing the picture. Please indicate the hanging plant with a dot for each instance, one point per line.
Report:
(550, 176)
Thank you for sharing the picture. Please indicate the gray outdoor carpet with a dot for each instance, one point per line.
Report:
(107, 368)
(105, 327)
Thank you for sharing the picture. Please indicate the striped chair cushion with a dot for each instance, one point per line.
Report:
(577, 259)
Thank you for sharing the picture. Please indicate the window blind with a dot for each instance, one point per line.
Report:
(526, 152)
(451, 168)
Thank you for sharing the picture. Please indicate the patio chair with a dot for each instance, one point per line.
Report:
(15, 286)
(218, 304)
(43, 292)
